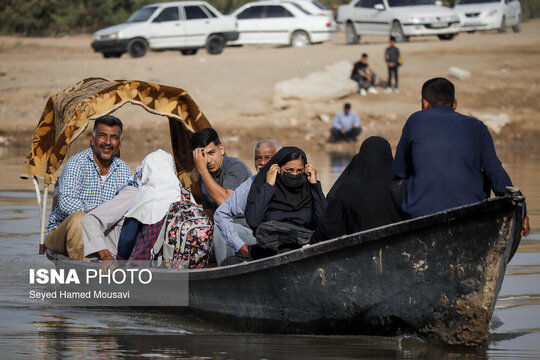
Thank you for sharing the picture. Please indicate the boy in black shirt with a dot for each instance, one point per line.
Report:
(364, 76)
(393, 61)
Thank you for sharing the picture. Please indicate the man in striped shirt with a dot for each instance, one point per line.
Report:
(88, 179)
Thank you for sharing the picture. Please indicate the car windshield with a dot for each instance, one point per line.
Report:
(466, 2)
(317, 4)
(393, 3)
(300, 8)
(142, 14)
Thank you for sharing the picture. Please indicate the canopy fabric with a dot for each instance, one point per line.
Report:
(68, 113)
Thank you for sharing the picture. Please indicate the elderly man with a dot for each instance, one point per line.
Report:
(234, 236)
(446, 156)
(88, 179)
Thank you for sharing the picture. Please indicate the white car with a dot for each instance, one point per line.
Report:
(489, 14)
(398, 18)
(281, 23)
(181, 25)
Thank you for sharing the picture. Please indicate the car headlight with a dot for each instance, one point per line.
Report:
(114, 35)
(493, 12)
(414, 20)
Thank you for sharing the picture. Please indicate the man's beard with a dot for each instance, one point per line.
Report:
(101, 156)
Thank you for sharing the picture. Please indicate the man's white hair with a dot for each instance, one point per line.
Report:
(271, 142)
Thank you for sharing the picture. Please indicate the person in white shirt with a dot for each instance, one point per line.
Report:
(346, 125)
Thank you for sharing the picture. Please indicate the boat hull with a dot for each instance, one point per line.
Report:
(437, 276)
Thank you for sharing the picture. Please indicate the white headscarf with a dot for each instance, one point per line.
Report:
(159, 188)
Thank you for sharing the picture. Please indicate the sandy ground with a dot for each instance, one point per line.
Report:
(235, 89)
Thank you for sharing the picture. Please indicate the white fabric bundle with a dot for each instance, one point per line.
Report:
(159, 188)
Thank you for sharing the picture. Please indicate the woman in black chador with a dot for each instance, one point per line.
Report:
(285, 202)
(360, 199)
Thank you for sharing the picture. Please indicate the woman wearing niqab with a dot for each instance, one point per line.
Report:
(360, 199)
(286, 194)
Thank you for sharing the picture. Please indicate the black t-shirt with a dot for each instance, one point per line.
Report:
(233, 172)
(358, 66)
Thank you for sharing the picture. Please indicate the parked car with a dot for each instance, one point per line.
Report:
(489, 14)
(314, 7)
(398, 18)
(281, 23)
(186, 26)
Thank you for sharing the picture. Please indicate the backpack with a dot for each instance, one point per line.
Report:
(185, 239)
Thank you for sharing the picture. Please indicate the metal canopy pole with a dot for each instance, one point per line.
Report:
(43, 213)
(38, 195)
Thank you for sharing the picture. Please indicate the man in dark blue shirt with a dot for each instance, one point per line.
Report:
(447, 157)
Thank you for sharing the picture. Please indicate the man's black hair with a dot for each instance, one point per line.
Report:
(439, 91)
(364, 55)
(347, 106)
(204, 137)
(108, 120)
(392, 38)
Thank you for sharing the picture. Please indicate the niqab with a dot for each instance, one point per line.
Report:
(285, 198)
(360, 199)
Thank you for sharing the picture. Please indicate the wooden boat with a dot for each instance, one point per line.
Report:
(437, 276)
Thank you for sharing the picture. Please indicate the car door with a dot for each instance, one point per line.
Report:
(249, 21)
(166, 29)
(278, 23)
(372, 20)
(197, 25)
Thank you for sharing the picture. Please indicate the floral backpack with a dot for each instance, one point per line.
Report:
(185, 239)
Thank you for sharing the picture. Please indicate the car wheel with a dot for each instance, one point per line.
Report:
(111, 54)
(352, 36)
(397, 32)
(502, 28)
(189, 51)
(300, 38)
(215, 44)
(137, 47)
(517, 28)
(446, 36)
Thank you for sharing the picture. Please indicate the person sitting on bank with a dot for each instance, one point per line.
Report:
(360, 199)
(159, 188)
(88, 179)
(446, 156)
(364, 75)
(346, 125)
(229, 216)
(285, 202)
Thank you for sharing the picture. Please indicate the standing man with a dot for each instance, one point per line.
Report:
(89, 178)
(346, 125)
(393, 61)
(229, 217)
(219, 175)
(445, 156)
(364, 76)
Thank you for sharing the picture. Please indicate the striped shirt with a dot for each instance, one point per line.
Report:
(82, 188)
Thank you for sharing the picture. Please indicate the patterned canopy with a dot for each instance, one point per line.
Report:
(68, 113)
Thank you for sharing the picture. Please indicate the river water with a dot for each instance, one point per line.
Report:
(78, 332)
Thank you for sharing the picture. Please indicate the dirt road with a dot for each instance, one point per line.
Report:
(235, 89)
